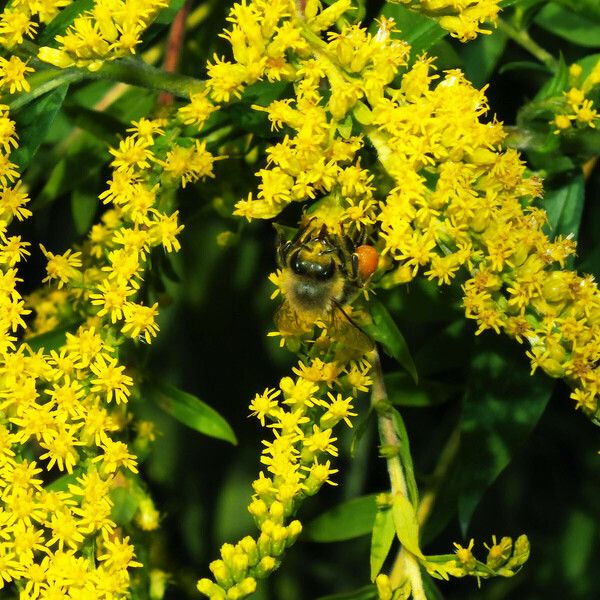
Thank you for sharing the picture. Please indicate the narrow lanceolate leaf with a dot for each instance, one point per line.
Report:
(33, 124)
(381, 540)
(406, 524)
(51, 340)
(190, 410)
(368, 592)
(385, 331)
(345, 521)
(502, 404)
(406, 457)
(564, 206)
(566, 23)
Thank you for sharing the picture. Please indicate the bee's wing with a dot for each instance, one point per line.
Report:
(288, 321)
(348, 333)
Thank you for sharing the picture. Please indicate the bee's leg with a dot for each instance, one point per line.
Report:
(354, 275)
(303, 232)
(282, 252)
(349, 244)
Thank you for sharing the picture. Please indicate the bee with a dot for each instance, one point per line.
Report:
(321, 272)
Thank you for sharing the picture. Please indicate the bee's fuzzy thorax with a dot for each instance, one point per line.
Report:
(307, 295)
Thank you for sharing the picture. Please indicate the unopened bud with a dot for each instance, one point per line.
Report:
(211, 589)
(222, 575)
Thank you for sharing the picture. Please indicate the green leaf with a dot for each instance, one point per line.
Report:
(166, 15)
(100, 124)
(126, 500)
(446, 350)
(431, 590)
(381, 540)
(481, 56)
(502, 405)
(34, 122)
(406, 457)
(522, 65)
(385, 331)
(368, 592)
(51, 340)
(348, 520)
(79, 168)
(61, 484)
(84, 204)
(402, 391)
(190, 410)
(557, 84)
(406, 524)
(62, 20)
(564, 206)
(360, 430)
(419, 31)
(567, 24)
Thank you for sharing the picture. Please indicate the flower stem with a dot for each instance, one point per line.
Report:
(406, 565)
(174, 48)
(439, 474)
(523, 39)
(126, 70)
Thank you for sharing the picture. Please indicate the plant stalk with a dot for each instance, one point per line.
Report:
(523, 39)
(406, 565)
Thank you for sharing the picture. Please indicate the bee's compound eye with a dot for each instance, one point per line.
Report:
(368, 259)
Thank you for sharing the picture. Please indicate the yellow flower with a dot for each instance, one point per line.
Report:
(118, 554)
(140, 321)
(62, 267)
(132, 153)
(12, 74)
(110, 381)
(265, 405)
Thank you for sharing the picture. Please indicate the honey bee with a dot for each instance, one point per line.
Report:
(322, 272)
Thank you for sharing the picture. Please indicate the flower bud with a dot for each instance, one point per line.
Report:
(294, 529)
(239, 566)
(278, 537)
(384, 587)
(211, 589)
(248, 586)
(248, 545)
(265, 567)
(276, 512)
(264, 544)
(258, 509)
(556, 287)
(521, 550)
(221, 573)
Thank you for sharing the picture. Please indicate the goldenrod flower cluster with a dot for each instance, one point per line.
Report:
(18, 21)
(459, 201)
(64, 408)
(301, 413)
(577, 110)
(21, 20)
(110, 29)
(462, 18)
(455, 202)
(57, 419)
(504, 559)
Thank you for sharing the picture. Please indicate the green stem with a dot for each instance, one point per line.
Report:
(523, 39)
(439, 475)
(406, 565)
(126, 70)
(136, 72)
